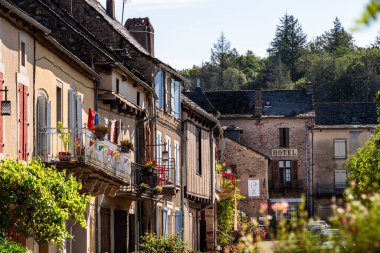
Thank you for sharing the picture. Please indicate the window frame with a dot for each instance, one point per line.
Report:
(337, 141)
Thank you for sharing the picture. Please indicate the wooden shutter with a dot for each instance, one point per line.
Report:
(294, 172)
(178, 222)
(105, 237)
(177, 92)
(23, 122)
(165, 222)
(286, 137)
(275, 176)
(120, 231)
(72, 117)
(1, 116)
(79, 111)
(48, 126)
(281, 130)
(172, 97)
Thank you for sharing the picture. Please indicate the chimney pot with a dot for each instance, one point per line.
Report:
(142, 30)
(110, 8)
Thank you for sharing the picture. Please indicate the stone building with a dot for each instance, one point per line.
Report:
(339, 130)
(250, 167)
(275, 123)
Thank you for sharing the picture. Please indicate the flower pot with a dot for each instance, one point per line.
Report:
(100, 135)
(64, 156)
(148, 169)
(125, 149)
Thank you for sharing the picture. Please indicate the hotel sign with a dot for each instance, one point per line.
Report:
(284, 152)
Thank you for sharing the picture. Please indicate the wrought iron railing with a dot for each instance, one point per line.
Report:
(331, 189)
(67, 145)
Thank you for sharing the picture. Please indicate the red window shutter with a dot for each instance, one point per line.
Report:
(23, 122)
(1, 116)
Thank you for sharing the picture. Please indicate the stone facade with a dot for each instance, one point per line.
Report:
(251, 168)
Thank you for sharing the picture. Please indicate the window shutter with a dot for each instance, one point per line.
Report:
(166, 105)
(281, 137)
(178, 222)
(294, 170)
(158, 88)
(172, 97)
(72, 117)
(286, 139)
(165, 222)
(1, 116)
(177, 93)
(23, 122)
(48, 126)
(275, 176)
(41, 125)
(79, 112)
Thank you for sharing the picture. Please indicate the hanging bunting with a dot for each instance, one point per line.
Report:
(92, 143)
(101, 146)
(110, 152)
(125, 160)
(115, 154)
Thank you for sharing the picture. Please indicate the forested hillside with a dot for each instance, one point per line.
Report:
(337, 68)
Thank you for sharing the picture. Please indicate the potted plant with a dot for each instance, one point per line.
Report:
(126, 146)
(65, 137)
(157, 189)
(149, 166)
(143, 186)
(80, 151)
(101, 131)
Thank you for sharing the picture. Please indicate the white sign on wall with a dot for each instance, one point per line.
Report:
(253, 188)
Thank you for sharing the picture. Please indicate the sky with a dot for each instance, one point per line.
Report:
(185, 30)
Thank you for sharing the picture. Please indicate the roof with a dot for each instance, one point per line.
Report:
(283, 103)
(248, 147)
(345, 113)
(198, 109)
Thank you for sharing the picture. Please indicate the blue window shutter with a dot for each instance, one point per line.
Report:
(165, 222)
(79, 111)
(48, 125)
(71, 117)
(177, 92)
(178, 222)
(172, 97)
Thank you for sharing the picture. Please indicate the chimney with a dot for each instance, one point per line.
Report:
(258, 103)
(309, 88)
(142, 30)
(110, 8)
(67, 5)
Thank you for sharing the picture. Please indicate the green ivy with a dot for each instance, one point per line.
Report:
(36, 200)
(10, 247)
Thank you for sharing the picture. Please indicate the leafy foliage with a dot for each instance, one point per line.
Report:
(10, 247)
(152, 243)
(37, 200)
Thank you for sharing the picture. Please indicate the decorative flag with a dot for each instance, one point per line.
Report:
(110, 152)
(115, 154)
(101, 146)
(91, 117)
(96, 119)
(125, 160)
(91, 143)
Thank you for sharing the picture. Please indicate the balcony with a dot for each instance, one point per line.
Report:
(289, 188)
(336, 189)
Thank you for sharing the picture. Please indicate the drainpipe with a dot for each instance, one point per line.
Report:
(312, 171)
(212, 179)
(307, 169)
(34, 97)
(96, 93)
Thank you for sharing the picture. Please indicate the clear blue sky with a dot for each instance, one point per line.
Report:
(185, 30)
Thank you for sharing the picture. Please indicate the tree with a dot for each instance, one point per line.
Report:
(337, 40)
(364, 166)
(222, 56)
(288, 44)
(369, 14)
(37, 200)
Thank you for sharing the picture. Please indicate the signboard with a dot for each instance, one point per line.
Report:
(284, 152)
(253, 188)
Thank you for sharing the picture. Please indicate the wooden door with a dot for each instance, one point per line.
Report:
(105, 237)
(120, 231)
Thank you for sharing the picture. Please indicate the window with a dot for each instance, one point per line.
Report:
(340, 179)
(176, 162)
(176, 99)
(22, 54)
(285, 172)
(117, 85)
(284, 137)
(138, 98)
(285, 176)
(198, 150)
(158, 149)
(354, 120)
(159, 88)
(59, 102)
(340, 148)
